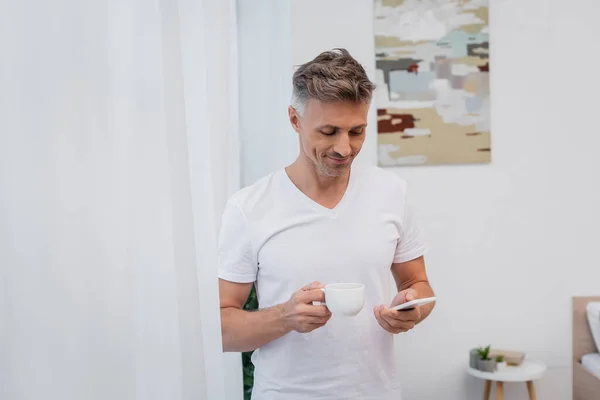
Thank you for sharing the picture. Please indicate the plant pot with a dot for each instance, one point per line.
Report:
(487, 365)
(473, 358)
(501, 365)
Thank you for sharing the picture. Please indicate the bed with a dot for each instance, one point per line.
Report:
(586, 354)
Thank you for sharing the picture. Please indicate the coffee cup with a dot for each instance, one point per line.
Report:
(344, 298)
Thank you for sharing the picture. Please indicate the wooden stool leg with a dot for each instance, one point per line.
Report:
(488, 389)
(499, 390)
(531, 390)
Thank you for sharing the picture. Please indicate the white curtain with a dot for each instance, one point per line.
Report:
(265, 73)
(118, 147)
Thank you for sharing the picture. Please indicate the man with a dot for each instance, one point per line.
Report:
(322, 220)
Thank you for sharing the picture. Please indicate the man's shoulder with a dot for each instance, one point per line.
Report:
(382, 179)
(254, 195)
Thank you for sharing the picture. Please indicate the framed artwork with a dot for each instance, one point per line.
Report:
(433, 94)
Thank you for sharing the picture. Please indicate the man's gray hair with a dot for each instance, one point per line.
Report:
(332, 76)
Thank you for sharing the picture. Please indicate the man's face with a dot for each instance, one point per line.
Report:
(331, 134)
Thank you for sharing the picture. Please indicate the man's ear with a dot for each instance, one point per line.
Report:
(294, 119)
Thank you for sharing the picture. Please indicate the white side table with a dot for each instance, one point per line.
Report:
(527, 372)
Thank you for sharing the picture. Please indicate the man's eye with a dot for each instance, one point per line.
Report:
(357, 132)
(327, 132)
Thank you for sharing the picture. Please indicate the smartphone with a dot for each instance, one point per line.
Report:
(413, 304)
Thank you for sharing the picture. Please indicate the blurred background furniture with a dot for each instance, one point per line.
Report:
(528, 371)
(586, 343)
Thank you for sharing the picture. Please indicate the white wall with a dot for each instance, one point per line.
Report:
(509, 240)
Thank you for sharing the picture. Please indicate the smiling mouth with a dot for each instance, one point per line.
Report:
(340, 160)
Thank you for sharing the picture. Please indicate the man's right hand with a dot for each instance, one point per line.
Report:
(300, 314)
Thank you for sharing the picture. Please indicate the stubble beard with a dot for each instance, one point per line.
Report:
(333, 171)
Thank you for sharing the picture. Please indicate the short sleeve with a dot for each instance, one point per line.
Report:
(236, 261)
(411, 244)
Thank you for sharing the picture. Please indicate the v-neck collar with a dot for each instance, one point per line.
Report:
(315, 205)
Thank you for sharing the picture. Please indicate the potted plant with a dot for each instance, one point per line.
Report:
(500, 362)
(485, 363)
(247, 366)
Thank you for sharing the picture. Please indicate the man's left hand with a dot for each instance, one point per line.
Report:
(398, 321)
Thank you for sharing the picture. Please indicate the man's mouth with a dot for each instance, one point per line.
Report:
(337, 160)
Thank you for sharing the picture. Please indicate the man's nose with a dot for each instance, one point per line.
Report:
(342, 146)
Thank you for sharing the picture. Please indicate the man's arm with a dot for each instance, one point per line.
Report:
(412, 283)
(248, 330)
(413, 275)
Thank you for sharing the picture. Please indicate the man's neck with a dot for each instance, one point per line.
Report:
(326, 190)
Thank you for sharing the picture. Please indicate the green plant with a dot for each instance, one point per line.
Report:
(247, 366)
(484, 352)
(499, 359)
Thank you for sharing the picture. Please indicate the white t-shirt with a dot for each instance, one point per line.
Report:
(274, 234)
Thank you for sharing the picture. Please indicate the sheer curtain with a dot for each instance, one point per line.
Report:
(118, 146)
(265, 73)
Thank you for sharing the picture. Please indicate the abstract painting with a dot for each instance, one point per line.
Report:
(433, 94)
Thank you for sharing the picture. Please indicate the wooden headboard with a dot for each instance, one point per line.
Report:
(586, 386)
(583, 343)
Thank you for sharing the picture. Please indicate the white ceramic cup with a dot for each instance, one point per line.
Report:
(344, 298)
